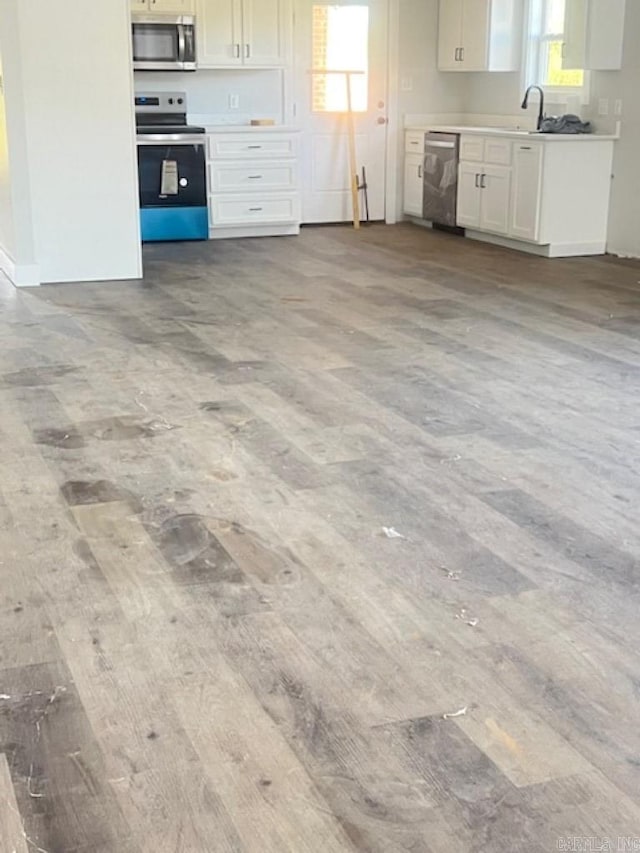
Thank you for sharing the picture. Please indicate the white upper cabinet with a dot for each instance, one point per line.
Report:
(219, 33)
(479, 35)
(244, 33)
(164, 7)
(267, 26)
(449, 34)
(594, 34)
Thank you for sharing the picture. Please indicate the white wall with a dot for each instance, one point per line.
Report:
(624, 222)
(423, 89)
(260, 93)
(7, 226)
(17, 252)
(71, 127)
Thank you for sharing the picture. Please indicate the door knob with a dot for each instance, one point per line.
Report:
(383, 120)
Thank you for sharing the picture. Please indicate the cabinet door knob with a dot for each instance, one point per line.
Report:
(477, 181)
(236, 51)
(247, 51)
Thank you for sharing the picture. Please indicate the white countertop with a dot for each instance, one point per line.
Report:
(249, 128)
(512, 133)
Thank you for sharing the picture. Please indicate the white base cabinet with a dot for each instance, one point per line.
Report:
(413, 184)
(479, 35)
(254, 184)
(484, 184)
(526, 191)
(551, 196)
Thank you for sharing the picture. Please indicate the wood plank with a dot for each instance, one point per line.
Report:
(13, 838)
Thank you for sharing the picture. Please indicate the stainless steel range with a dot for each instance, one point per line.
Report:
(171, 168)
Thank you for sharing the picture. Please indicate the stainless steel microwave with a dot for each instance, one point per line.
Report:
(164, 43)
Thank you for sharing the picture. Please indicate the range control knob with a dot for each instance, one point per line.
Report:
(171, 100)
(181, 100)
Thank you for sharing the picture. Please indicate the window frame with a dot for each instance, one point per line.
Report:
(534, 39)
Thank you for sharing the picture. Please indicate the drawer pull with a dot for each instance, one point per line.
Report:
(254, 147)
(255, 209)
(255, 177)
(525, 148)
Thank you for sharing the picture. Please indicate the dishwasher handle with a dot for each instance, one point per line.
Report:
(429, 144)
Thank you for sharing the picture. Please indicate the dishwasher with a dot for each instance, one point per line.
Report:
(440, 178)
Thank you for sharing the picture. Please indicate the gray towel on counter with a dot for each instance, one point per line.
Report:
(565, 124)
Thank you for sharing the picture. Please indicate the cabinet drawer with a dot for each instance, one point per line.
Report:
(254, 210)
(252, 146)
(472, 149)
(497, 152)
(414, 142)
(269, 176)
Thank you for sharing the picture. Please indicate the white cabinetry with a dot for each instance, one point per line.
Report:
(551, 195)
(479, 35)
(413, 184)
(254, 184)
(484, 184)
(525, 194)
(594, 34)
(495, 187)
(236, 33)
(164, 7)
(469, 195)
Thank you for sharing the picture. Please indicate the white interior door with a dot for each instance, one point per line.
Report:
(338, 36)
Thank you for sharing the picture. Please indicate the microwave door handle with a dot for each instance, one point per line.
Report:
(190, 47)
(182, 44)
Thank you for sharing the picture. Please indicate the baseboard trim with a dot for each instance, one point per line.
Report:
(254, 231)
(20, 275)
(553, 250)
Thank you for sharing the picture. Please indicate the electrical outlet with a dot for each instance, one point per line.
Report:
(406, 84)
(234, 102)
(617, 107)
(603, 107)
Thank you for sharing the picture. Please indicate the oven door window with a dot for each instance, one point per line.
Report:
(156, 43)
(192, 182)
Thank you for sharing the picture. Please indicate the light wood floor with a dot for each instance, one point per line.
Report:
(208, 642)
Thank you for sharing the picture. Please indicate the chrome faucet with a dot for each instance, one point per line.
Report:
(525, 104)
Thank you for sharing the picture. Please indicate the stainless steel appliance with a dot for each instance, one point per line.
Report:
(164, 43)
(171, 169)
(440, 178)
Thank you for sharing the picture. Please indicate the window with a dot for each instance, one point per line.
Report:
(544, 65)
(340, 43)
